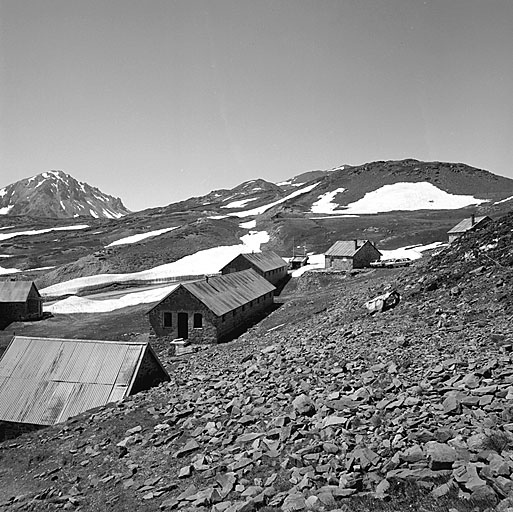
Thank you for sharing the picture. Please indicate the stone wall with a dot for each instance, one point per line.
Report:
(365, 255)
(9, 430)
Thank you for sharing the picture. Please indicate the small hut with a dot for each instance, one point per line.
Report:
(19, 300)
(472, 223)
(350, 254)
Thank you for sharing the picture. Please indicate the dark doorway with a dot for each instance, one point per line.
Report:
(183, 328)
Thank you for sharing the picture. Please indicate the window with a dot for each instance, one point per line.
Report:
(167, 319)
(198, 321)
(243, 307)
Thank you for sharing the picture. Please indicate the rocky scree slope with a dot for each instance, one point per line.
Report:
(339, 410)
(56, 194)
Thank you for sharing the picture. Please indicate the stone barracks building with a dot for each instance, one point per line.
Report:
(267, 263)
(19, 300)
(213, 309)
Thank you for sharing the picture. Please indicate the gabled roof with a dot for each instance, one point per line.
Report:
(222, 294)
(466, 224)
(346, 248)
(264, 261)
(44, 381)
(15, 291)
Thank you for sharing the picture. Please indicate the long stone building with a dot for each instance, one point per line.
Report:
(213, 309)
(266, 263)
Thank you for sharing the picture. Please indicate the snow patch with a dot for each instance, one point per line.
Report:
(4, 271)
(84, 305)
(504, 200)
(248, 225)
(142, 236)
(264, 208)
(325, 203)
(3, 191)
(412, 252)
(93, 213)
(408, 196)
(254, 239)
(239, 204)
(6, 236)
(208, 261)
(6, 209)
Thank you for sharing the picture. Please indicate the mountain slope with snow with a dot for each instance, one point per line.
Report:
(55, 194)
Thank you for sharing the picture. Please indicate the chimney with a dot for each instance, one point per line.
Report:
(356, 244)
(472, 219)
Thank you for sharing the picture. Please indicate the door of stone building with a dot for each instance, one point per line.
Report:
(183, 327)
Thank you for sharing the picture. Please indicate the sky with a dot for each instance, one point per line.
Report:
(156, 101)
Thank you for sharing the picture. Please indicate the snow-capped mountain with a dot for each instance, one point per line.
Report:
(56, 194)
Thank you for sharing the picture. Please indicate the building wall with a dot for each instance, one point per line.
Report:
(361, 259)
(9, 430)
(214, 328)
(149, 374)
(181, 301)
(34, 306)
(365, 255)
(338, 262)
(231, 324)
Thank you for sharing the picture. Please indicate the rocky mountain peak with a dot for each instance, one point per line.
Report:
(56, 194)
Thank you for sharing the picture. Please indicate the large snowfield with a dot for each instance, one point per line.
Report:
(208, 261)
(399, 196)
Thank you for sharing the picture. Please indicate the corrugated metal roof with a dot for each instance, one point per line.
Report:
(346, 248)
(45, 380)
(222, 294)
(466, 224)
(15, 291)
(265, 261)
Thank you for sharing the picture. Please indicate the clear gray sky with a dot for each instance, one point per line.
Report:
(159, 100)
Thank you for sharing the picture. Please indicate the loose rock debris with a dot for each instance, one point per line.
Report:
(308, 417)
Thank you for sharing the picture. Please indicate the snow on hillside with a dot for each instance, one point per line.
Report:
(265, 207)
(239, 204)
(76, 304)
(412, 252)
(208, 261)
(401, 196)
(315, 261)
(5, 271)
(142, 236)
(248, 225)
(6, 236)
(325, 203)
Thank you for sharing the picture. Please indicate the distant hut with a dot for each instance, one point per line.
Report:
(350, 254)
(213, 309)
(297, 262)
(473, 223)
(267, 263)
(44, 381)
(19, 300)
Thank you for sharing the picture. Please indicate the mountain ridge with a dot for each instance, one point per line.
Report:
(56, 194)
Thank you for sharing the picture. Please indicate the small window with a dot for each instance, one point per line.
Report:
(243, 307)
(198, 321)
(167, 319)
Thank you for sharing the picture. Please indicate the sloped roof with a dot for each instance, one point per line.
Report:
(265, 261)
(466, 224)
(222, 294)
(15, 291)
(44, 381)
(346, 248)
